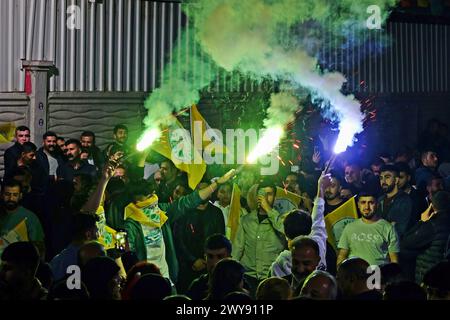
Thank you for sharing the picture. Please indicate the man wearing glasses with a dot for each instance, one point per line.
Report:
(12, 154)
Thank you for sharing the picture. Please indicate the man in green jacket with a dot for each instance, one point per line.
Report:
(260, 237)
(149, 224)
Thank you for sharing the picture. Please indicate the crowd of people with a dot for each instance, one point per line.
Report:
(77, 223)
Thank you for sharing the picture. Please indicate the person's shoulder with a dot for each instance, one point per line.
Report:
(26, 213)
(385, 224)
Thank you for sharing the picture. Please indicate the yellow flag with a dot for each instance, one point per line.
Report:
(175, 144)
(203, 135)
(336, 221)
(286, 201)
(7, 132)
(235, 211)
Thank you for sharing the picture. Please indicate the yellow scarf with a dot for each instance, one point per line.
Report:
(136, 212)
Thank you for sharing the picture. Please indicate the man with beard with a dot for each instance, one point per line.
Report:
(95, 158)
(13, 153)
(333, 198)
(47, 156)
(291, 184)
(404, 184)
(429, 166)
(120, 134)
(169, 181)
(12, 214)
(74, 163)
(395, 205)
(18, 268)
(370, 238)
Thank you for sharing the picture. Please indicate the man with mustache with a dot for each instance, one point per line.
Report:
(74, 163)
(47, 156)
(370, 238)
(395, 205)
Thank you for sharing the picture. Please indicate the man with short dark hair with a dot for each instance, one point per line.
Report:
(48, 157)
(74, 164)
(370, 237)
(352, 277)
(404, 184)
(20, 261)
(169, 181)
(14, 214)
(95, 158)
(120, 135)
(217, 247)
(395, 206)
(191, 232)
(13, 153)
(84, 230)
(429, 166)
(333, 198)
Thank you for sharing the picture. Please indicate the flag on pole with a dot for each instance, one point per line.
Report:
(18, 233)
(202, 132)
(175, 144)
(336, 221)
(286, 201)
(235, 212)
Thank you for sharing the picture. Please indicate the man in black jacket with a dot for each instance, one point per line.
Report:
(190, 233)
(395, 205)
(12, 154)
(428, 239)
(47, 156)
(96, 157)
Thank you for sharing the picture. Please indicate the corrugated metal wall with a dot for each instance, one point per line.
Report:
(122, 46)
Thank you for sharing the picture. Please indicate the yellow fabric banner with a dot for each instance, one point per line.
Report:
(235, 211)
(7, 132)
(175, 144)
(336, 221)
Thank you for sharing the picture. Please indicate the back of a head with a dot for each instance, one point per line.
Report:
(151, 287)
(141, 188)
(97, 275)
(274, 288)
(297, 223)
(89, 251)
(60, 291)
(23, 254)
(352, 271)
(390, 272)
(237, 296)
(218, 241)
(28, 147)
(83, 223)
(177, 297)
(404, 290)
(320, 285)
(441, 201)
(305, 241)
(226, 277)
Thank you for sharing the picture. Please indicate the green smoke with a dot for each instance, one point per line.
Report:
(185, 74)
